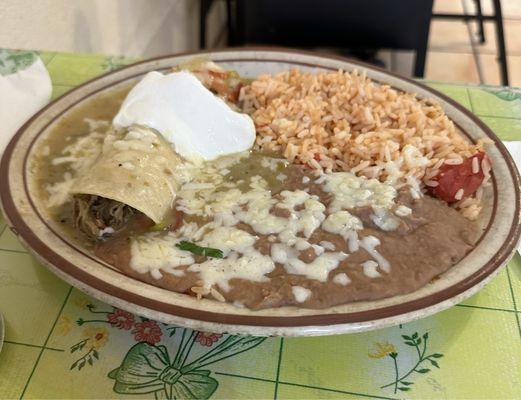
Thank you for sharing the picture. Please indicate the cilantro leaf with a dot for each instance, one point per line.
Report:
(202, 251)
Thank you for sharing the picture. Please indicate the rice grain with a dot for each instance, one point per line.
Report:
(343, 121)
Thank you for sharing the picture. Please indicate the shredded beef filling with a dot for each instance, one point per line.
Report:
(94, 214)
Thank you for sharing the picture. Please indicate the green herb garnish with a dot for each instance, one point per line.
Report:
(202, 251)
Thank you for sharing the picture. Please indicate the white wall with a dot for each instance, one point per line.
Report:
(119, 27)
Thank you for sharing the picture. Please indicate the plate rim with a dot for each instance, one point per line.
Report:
(19, 226)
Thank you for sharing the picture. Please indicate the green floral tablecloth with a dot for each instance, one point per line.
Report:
(60, 343)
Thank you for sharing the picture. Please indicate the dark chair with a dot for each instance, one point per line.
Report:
(497, 18)
(353, 25)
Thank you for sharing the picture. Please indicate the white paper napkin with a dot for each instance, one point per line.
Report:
(25, 87)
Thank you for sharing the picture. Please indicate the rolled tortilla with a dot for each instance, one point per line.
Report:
(136, 167)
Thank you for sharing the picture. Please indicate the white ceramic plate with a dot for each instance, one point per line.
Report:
(29, 220)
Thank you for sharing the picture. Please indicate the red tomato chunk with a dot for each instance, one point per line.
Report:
(456, 182)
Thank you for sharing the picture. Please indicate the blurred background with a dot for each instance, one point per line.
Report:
(476, 41)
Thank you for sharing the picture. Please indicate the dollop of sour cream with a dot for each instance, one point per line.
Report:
(200, 125)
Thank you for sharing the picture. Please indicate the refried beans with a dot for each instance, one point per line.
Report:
(426, 243)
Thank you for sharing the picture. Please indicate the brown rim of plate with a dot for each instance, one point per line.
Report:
(19, 227)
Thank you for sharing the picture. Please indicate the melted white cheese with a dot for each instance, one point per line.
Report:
(137, 138)
(281, 177)
(327, 245)
(413, 157)
(402, 211)
(341, 222)
(228, 239)
(352, 241)
(200, 125)
(252, 266)
(280, 253)
(369, 244)
(341, 279)
(370, 269)
(206, 193)
(301, 294)
(273, 163)
(318, 269)
(384, 220)
(351, 191)
(319, 250)
(152, 253)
